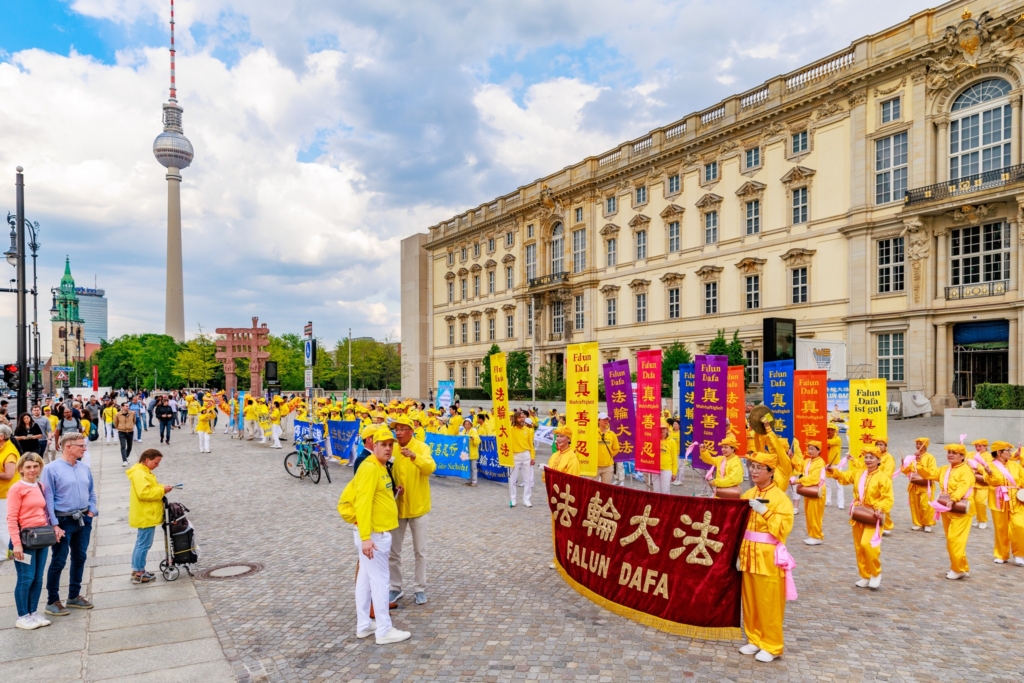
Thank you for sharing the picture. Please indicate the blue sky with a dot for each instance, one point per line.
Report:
(327, 131)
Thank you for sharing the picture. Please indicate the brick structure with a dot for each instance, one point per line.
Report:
(244, 342)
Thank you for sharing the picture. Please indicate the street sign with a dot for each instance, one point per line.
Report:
(308, 329)
(309, 352)
(62, 376)
(309, 378)
(63, 368)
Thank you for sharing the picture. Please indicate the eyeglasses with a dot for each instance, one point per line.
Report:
(76, 444)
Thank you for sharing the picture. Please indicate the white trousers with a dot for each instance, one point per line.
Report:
(275, 430)
(204, 442)
(834, 492)
(663, 482)
(108, 430)
(521, 469)
(372, 583)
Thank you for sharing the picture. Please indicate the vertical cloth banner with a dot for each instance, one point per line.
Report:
(450, 454)
(736, 407)
(709, 403)
(778, 395)
(810, 412)
(487, 466)
(868, 417)
(445, 393)
(687, 385)
(344, 438)
(581, 403)
(839, 402)
(618, 394)
(302, 426)
(502, 419)
(648, 411)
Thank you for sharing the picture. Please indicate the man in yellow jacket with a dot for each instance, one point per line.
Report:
(524, 458)
(412, 467)
(980, 501)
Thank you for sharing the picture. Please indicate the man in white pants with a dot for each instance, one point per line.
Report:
(369, 502)
(523, 457)
(833, 489)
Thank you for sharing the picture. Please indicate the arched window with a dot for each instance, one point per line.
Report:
(61, 333)
(979, 135)
(557, 249)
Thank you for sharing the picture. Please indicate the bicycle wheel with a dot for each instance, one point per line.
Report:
(314, 470)
(325, 468)
(292, 465)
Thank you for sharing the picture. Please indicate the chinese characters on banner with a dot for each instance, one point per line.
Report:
(618, 394)
(451, 455)
(778, 395)
(810, 411)
(502, 418)
(581, 403)
(687, 384)
(868, 415)
(343, 435)
(665, 561)
(709, 400)
(736, 408)
(648, 411)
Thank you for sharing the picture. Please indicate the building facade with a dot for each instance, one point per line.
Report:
(69, 336)
(875, 196)
(92, 306)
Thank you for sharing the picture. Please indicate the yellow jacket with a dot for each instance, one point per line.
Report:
(877, 488)
(733, 475)
(369, 500)
(193, 407)
(960, 480)
(887, 464)
(785, 469)
(835, 449)
(997, 479)
(984, 455)
(108, 414)
(608, 448)
(521, 439)
(565, 461)
(759, 558)
(145, 508)
(474, 443)
(414, 478)
(925, 467)
(670, 455)
(205, 423)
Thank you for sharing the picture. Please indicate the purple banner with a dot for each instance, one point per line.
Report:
(618, 393)
(710, 396)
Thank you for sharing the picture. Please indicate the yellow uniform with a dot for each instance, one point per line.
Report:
(670, 456)
(205, 422)
(1007, 511)
(814, 508)
(414, 478)
(607, 448)
(565, 461)
(873, 490)
(957, 481)
(835, 449)
(764, 584)
(981, 492)
(785, 467)
(108, 414)
(887, 465)
(521, 439)
(369, 501)
(728, 469)
(919, 497)
(474, 443)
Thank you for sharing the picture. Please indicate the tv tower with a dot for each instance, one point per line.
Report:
(174, 151)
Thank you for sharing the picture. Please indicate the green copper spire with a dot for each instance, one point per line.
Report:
(65, 301)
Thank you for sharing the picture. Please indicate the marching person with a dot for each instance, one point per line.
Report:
(468, 430)
(764, 560)
(957, 482)
(204, 427)
(980, 506)
(814, 506)
(921, 467)
(275, 424)
(727, 468)
(412, 467)
(835, 450)
(887, 464)
(607, 449)
(524, 457)
(871, 489)
(145, 509)
(564, 459)
(1005, 477)
(368, 502)
(669, 461)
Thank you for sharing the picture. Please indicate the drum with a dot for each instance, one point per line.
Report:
(815, 491)
(960, 507)
(864, 515)
(728, 492)
(979, 477)
(1020, 495)
(918, 480)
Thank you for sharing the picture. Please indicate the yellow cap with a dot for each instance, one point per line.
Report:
(1001, 446)
(382, 433)
(956, 448)
(766, 459)
(402, 420)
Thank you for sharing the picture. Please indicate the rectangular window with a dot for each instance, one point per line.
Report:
(464, 376)
(490, 244)
(641, 195)
(509, 278)
(509, 239)
(579, 214)
(891, 110)
(476, 250)
(673, 236)
(799, 205)
(451, 292)
(451, 258)
(710, 298)
(673, 303)
(578, 322)
(753, 358)
(557, 317)
(610, 251)
(451, 335)
(710, 171)
(451, 374)
(476, 375)
(710, 227)
(753, 283)
(462, 285)
(462, 254)
(753, 208)
(476, 285)
(799, 142)
(490, 282)
(529, 231)
(890, 169)
(611, 205)
(529, 319)
(531, 261)
(611, 307)
(465, 333)
(754, 157)
(890, 265)
(476, 331)
(510, 326)
(799, 285)
(641, 308)
(490, 329)
(980, 254)
(557, 248)
(673, 184)
(641, 244)
(579, 251)
(890, 357)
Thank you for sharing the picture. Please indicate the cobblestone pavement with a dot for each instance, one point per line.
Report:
(496, 612)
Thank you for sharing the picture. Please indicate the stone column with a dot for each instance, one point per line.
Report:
(941, 367)
(1013, 367)
(941, 264)
(174, 315)
(1015, 130)
(1014, 226)
(942, 149)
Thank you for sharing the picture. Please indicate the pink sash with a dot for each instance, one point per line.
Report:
(911, 461)
(939, 507)
(783, 560)
(1003, 492)
(876, 540)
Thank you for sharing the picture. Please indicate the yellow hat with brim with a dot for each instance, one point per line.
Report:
(870, 449)
(730, 441)
(382, 433)
(564, 430)
(368, 431)
(1001, 446)
(767, 459)
(980, 442)
(956, 448)
(402, 420)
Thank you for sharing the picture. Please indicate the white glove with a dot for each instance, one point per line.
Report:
(758, 506)
(738, 564)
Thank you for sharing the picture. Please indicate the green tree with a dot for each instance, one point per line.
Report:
(485, 370)
(195, 363)
(138, 360)
(735, 350)
(671, 358)
(287, 351)
(518, 368)
(376, 364)
(719, 346)
(551, 382)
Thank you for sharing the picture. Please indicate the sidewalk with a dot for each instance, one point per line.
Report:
(155, 632)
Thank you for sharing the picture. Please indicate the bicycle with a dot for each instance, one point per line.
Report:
(304, 461)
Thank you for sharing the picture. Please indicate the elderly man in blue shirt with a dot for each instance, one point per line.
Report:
(71, 499)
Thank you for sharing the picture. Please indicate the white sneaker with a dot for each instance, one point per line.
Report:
(27, 622)
(1019, 561)
(749, 649)
(915, 528)
(875, 581)
(998, 561)
(677, 483)
(983, 525)
(368, 632)
(927, 529)
(954, 576)
(512, 504)
(764, 656)
(40, 619)
(813, 541)
(796, 510)
(529, 505)
(974, 524)
(393, 636)
(863, 583)
(887, 533)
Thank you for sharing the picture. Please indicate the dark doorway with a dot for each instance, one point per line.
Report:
(980, 354)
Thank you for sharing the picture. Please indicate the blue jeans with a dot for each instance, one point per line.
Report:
(138, 427)
(76, 540)
(30, 581)
(165, 430)
(143, 542)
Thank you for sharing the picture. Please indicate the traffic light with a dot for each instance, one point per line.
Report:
(11, 376)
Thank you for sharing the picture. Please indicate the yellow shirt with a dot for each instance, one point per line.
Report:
(275, 417)
(413, 476)
(733, 475)
(108, 414)
(877, 488)
(670, 456)
(835, 449)
(521, 439)
(785, 469)
(887, 464)
(53, 422)
(997, 479)
(369, 497)
(145, 496)
(249, 412)
(925, 467)
(205, 423)
(812, 472)
(608, 448)
(474, 443)
(959, 481)
(984, 455)
(565, 461)
(193, 407)
(759, 558)
(8, 454)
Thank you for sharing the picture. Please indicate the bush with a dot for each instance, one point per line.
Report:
(999, 397)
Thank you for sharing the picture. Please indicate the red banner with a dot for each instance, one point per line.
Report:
(95, 378)
(648, 411)
(736, 407)
(664, 561)
(810, 407)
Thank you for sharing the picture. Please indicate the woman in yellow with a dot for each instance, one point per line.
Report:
(1005, 477)
(872, 488)
(564, 459)
(921, 466)
(835, 450)
(726, 468)
(204, 427)
(981, 492)
(145, 509)
(764, 560)
(957, 482)
(669, 461)
(887, 464)
(108, 421)
(779, 448)
(814, 506)
(607, 449)
(470, 431)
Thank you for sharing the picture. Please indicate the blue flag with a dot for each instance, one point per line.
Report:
(344, 437)
(487, 466)
(302, 426)
(451, 455)
(778, 396)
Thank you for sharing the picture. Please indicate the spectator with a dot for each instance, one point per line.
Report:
(8, 475)
(27, 509)
(172, 403)
(109, 411)
(150, 407)
(145, 509)
(27, 435)
(135, 405)
(47, 427)
(124, 423)
(71, 503)
(165, 415)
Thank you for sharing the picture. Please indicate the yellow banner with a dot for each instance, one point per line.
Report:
(868, 413)
(502, 422)
(581, 403)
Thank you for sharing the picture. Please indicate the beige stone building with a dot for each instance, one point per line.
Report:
(874, 196)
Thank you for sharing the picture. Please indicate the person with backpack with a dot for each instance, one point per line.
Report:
(165, 416)
(145, 509)
(67, 422)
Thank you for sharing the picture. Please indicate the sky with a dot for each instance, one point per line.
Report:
(326, 131)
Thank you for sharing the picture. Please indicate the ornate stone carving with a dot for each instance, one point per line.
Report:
(508, 307)
(751, 265)
(475, 268)
(552, 205)
(918, 242)
(772, 129)
(728, 146)
(639, 285)
(919, 76)
(751, 190)
(708, 202)
(639, 222)
(449, 275)
(889, 91)
(970, 43)
(690, 159)
(798, 256)
(827, 110)
(796, 176)
(709, 273)
(463, 272)
(856, 99)
(671, 211)
(609, 290)
(610, 230)
(508, 258)
(490, 311)
(449, 318)
(973, 215)
(671, 279)
(491, 263)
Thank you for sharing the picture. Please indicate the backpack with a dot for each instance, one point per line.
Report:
(94, 432)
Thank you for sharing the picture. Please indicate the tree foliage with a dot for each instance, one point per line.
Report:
(675, 355)
(551, 382)
(138, 360)
(485, 369)
(195, 364)
(518, 369)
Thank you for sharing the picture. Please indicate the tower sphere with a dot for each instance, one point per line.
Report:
(172, 149)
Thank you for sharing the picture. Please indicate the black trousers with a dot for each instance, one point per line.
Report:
(126, 444)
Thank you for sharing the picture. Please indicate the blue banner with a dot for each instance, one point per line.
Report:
(687, 385)
(302, 426)
(778, 396)
(451, 455)
(445, 394)
(344, 437)
(487, 466)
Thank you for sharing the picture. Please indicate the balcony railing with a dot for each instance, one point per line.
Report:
(552, 279)
(976, 290)
(965, 185)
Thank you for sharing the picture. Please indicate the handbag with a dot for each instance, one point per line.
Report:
(36, 537)
(815, 491)
(864, 515)
(728, 492)
(959, 507)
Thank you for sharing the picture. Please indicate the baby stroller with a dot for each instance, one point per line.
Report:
(179, 541)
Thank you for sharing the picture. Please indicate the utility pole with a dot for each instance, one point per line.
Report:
(350, 362)
(533, 348)
(19, 184)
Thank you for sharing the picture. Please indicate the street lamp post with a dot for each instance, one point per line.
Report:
(19, 188)
(32, 230)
